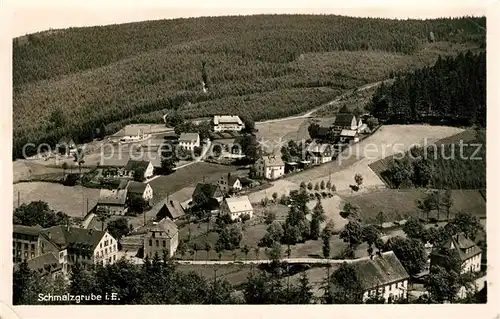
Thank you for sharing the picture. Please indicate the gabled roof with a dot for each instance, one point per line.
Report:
(27, 230)
(64, 237)
(231, 178)
(381, 270)
(272, 160)
(65, 140)
(348, 133)
(123, 184)
(43, 261)
(227, 119)
(213, 190)
(136, 187)
(133, 164)
(112, 197)
(460, 244)
(166, 225)
(319, 148)
(238, 204)
(189, 137)
(344, 119)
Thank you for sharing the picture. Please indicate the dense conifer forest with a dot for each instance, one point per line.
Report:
(453, 91)
(70, 82)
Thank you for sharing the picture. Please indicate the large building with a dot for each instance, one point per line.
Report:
(71, 245)
(189, 141)
(25, 242)
(270, 167)
(144, 166)
(382, 275)
(237, 207)
(113, 201)
(228, 123)
(468, 251)
(162, 237)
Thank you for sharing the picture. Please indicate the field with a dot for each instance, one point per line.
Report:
(234, 274)
(69, 200)
(135, 73)
(400, 204)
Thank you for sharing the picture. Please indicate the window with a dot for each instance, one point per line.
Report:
(25, 254)
(106, 251)
(157, 243)
(164, 243)
(100, 245)
(25, 246)
(153, 234)
(114, 257)
(150, 242)
(61, 254)
(33, 246)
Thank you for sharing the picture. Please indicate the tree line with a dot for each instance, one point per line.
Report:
(453, 91)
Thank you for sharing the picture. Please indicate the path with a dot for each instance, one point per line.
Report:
(311, 112)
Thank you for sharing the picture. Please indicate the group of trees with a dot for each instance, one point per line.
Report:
(448, 166)
(240, 70)
(452, 91)
(39, 213)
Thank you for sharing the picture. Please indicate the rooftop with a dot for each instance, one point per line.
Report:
(133, 164)
(344, 119)
(273, 160)
(27, 230)
(189, 137)
(71, 236)
(136, 187)
(227, 119)
(349, 133)
(166, 225)
(238, 204)
(42, 262)
(112, 197)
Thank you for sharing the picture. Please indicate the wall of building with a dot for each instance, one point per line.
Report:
(159, 243)
(274, 172)
(24, 247)
(472, 264)
(227, 127)
(107, 250)
(397, 290)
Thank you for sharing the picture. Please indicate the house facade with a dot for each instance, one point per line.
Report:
(382, 275)
(224, 123)
(270, 167)
(142, 189)
(229, 183)
(133, 165)
(113, 201)
(470, 254)
(25, 242)
(66, 146)
(168, 208)
(164, 236)
(236, 207)
(320, 153)
(85, 246)
(47, 266)
(189, 141)
(346, 122)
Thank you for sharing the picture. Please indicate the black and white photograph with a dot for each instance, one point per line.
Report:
(248, 156)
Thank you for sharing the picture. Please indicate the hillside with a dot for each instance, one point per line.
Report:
(68, 82)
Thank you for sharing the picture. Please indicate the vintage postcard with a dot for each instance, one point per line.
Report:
(166, 155)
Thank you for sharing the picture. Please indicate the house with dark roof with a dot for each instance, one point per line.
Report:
(168, 208)
(161, 237)
(138, 188)
(25, 242)
(47, 266)
(71, 245)
(382, 275)
(66, 146)
(144, 166)
(319, 153)
(345, 121)
(467, 250)
(209, 190)
(113, 201)
(270, 167)
(229, 183)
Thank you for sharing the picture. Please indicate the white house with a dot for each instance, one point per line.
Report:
(349, 135)
(133, 187)
(229, 182)
(224, 123)
(236, 207)
(133, 134)
(270, 167)
(189, 141)
(468, 251)
(382, 275)
(320, 153)
(162, 237)
(133, 165)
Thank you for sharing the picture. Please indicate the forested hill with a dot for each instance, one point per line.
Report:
(453, 91)
(68, 82)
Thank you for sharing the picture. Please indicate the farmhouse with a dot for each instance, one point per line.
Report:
(320, 153)
(236, 207)
(346, 122)
(228, 123)
(382, 275)
(168, 208)
(113, 201)
(138, 188)
(270, 167)
(229, 183)
(77, 245)
(146, 167)
(162, 237)
(208, 190)
(468, 251)
(25, 242)
(66, 146)
(189, 141)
